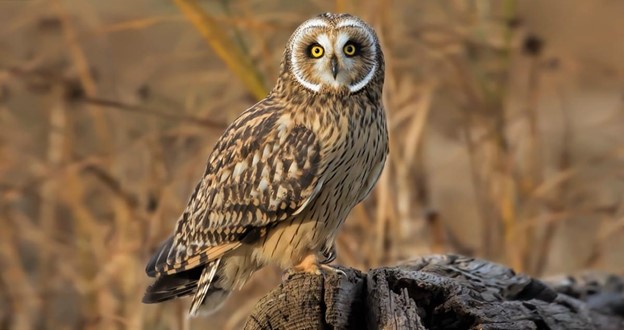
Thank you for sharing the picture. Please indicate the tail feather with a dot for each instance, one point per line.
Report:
(167, 287)
(164, 261)
(213, 301)
(159, 258)
(156, 296)
(201, 282)
(203, 285)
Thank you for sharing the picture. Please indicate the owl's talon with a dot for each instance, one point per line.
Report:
(318, 269)
(330, 269)
(329, 255)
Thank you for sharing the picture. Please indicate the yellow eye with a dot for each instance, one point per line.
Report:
(350, 49)
(316, 51)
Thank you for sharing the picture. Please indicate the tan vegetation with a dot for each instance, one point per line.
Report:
(507, 140)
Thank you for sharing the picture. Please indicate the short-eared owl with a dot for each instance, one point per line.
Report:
(284, 176)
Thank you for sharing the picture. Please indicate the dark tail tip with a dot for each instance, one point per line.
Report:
(168, 287)
(159, 257)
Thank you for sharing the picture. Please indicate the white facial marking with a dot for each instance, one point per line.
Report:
(341, 40)
(312, 23)
(323, 40)
(371, 41)
(356, 87)
(351, 22)
(322, 63)
(331, 48)
(315, 22)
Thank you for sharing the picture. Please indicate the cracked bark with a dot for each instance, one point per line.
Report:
(442, 292)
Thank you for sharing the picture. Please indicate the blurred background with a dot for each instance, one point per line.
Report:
(506, 122)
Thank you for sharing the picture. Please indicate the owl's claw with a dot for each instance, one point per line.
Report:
(330, 269)
(329, 255)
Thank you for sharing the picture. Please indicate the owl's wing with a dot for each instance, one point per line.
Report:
(264, 169)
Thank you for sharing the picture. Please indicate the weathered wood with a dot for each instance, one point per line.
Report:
(440, 292)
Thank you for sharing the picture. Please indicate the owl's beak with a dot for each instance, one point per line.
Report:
(334, 66)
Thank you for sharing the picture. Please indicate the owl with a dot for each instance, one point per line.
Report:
(286, 173)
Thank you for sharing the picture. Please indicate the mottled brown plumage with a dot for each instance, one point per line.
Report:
(284, 175)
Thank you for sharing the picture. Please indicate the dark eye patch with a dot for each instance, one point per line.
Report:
(352, 48)
(315, 51)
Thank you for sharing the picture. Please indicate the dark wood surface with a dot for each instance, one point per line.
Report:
(441, 292)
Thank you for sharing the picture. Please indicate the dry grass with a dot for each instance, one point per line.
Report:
(506, 141)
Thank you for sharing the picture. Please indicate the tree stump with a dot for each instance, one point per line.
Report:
(441, 292)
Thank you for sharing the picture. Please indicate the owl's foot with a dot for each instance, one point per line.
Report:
(309, 264)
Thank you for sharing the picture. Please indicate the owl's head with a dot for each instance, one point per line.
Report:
(334, 52)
